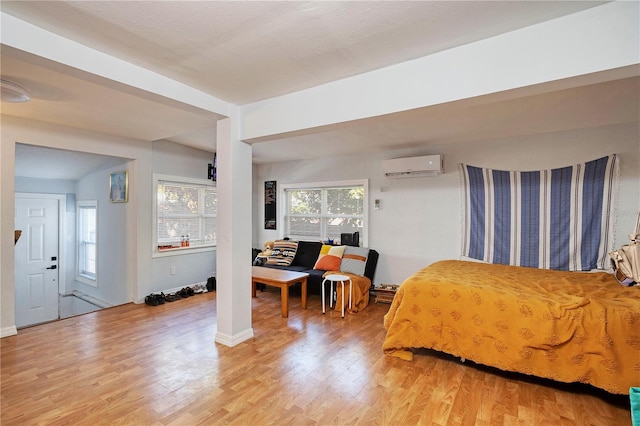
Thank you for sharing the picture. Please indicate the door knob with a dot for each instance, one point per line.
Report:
(53, 267)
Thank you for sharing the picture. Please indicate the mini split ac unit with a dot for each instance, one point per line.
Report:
(429, 165)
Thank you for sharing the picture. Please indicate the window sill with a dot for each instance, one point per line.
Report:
(180, 251)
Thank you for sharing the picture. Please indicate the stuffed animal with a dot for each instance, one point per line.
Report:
(268, 249)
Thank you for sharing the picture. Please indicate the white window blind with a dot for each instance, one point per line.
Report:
(186, 210)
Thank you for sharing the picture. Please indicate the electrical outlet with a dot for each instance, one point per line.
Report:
(172, 270)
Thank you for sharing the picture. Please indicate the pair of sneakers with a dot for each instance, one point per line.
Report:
(185, 292)
(199, 288)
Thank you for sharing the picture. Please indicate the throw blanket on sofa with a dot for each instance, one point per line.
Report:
(360, 296)
(550, 219)
(566, 326)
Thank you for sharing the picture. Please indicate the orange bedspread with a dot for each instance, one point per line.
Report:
(566, 326)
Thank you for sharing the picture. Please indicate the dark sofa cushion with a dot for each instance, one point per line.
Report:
(287, 268)
(372, 262)
(307, 254)
(314, 281)
(315, 274)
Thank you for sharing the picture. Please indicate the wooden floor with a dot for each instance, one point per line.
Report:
(139, 365)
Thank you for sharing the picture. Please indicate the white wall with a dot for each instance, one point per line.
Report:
(419, 221)
(113, 250)
(190, 267)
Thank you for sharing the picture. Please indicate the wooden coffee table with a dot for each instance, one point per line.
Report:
(279, 278)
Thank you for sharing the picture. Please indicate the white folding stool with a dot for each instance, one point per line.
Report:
(336, 278)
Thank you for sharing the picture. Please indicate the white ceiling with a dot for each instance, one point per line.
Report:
(243, 52)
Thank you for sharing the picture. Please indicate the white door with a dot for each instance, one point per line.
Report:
(36, 261)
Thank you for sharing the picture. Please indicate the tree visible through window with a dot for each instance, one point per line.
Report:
(324, 212)
(186, 210)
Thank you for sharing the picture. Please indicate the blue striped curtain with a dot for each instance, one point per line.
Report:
(551, 219)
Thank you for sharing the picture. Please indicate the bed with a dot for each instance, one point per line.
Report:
(566, 326)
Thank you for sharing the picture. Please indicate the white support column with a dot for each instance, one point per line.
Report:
(233, 262)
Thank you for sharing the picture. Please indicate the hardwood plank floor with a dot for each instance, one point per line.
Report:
(139, 365)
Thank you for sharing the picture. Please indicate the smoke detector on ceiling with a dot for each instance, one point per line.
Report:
(12, 92)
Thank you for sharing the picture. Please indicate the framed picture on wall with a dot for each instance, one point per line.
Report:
(119, 187)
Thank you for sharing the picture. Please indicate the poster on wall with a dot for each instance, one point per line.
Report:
(270, 204)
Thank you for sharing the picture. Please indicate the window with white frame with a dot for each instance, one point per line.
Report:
(185, 213)
(325, 210)
(87, 235)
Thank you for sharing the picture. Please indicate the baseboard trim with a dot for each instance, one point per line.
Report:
(8, 331)
(89, 299)
(234, 340)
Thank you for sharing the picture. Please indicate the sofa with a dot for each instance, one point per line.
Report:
(305, 258)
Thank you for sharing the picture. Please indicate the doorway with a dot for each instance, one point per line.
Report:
(42, 172)
(41, 261)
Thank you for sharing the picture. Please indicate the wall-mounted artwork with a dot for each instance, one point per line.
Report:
(548, 219)
(270, 204)
(119, 187)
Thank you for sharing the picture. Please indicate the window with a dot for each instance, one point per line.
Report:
(324, 211)
(87, 219)
(185, 211)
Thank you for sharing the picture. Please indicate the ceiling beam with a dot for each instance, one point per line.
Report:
(34, 40)
(562, 53)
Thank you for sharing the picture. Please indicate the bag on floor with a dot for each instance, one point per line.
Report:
(211, 284)
(626, 260)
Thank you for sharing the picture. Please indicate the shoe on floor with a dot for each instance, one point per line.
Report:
(151, 300)
(183, 292)
(171, 297)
